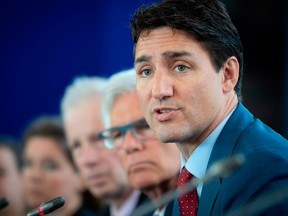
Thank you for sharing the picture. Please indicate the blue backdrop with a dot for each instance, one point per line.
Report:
(46, 43)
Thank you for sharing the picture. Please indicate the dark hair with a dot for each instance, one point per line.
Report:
(50, 127)
(207, 21)
(12, 144)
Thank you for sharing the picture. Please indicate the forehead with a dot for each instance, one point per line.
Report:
(125, 108)
(44, 146)
(163, 39)
(83, 117)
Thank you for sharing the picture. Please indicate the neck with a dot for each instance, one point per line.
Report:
(188, 146)
(71, 208)
(156, 191)
(118, 201)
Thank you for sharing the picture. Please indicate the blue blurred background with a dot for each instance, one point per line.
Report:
(44, 44)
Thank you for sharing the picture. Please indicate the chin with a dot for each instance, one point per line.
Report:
(33, 202)
(99, 192)
(143, 181)
(164, 138)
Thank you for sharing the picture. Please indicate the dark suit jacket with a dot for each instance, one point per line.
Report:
(169, 209)
(105, 209)
(84, 212)
(265, 168)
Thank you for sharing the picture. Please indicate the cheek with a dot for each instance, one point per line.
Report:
(61, 184)
(78, 159)
(3, 186)
(59, 176)
(57, 181)
(143, 99)
(125, 160)
(143, 91)
(25, 177)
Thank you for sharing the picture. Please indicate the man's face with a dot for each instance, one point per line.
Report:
(179, 90)
(147, 162)
(100, 168)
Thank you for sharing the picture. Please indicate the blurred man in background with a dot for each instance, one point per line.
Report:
(150, 165)
(100, 168)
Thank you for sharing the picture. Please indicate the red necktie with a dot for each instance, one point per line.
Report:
(188, 201)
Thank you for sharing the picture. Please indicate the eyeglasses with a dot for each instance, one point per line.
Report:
(114, 137)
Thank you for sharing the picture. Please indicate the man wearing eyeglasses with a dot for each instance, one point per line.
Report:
(150, 165)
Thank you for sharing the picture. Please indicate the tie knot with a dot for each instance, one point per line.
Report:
(184, 176)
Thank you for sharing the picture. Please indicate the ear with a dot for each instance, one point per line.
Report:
(230, 74)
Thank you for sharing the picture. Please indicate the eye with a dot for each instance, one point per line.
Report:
(75, 145)
(145, 72)
(116, 133)
(181, 68)
(50, 165)
(26, 163)
(112, 133)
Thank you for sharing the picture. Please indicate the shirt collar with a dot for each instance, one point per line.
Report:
(128, 206)
(198, 160)
(160, 212)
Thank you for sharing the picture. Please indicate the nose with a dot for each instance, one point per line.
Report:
(34, 173)
(131, 144)
(162, 86)
(89, 156)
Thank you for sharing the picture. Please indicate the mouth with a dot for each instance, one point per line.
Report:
(162, 114)
(97, 178)
(139, 166)
(160, 110)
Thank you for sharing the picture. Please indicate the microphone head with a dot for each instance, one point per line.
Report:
(53, 204)
(3, 202)
(48, 206)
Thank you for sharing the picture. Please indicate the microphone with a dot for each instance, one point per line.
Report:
(220, 168)
(3, 202)
(47, 207)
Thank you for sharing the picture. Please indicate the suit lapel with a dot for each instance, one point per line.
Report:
(223, 148)
(170, 208)
(175, 207)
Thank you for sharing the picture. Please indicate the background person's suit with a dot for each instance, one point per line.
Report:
(105, 209)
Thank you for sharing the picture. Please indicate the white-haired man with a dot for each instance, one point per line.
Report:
(151, 166)
(100, 168)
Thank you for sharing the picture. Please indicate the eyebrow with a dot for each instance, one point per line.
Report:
(175, 54)
(167, 54)
(143, 58)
